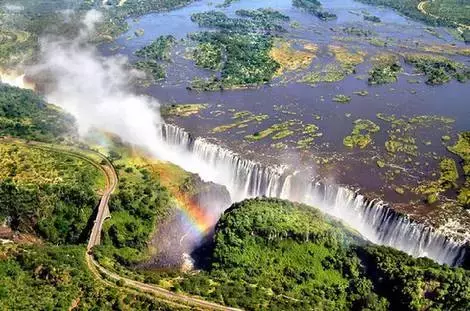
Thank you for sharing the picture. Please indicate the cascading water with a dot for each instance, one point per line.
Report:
(372, 218)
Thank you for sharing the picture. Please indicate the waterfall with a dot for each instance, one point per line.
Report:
(372, 218)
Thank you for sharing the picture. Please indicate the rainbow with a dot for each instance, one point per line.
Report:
(200, 221)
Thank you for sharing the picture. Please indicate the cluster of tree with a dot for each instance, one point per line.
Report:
(462, 149)
(47, 193)
(159, 49)
(273, 254)
(314, 7)
(57, 278)
(438, 69)
(139, 201)
(261, 20)
(24, 114)
(240, 48)
(385, 69)
(153, 54)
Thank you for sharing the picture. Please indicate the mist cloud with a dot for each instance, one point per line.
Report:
(96, 89)
(98, 92)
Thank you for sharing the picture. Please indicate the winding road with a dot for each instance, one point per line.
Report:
(108, 277)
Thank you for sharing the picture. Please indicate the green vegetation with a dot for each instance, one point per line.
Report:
(449, 173)
(372, 18)
(182, 110)
(314, 7)
(311, 131)
(265, 14)
(289, 58)
(227, 3)
(361, 93)
(410, 9)
(57, 278)
(279, 131)
(247, 58)
(462, 149)
(47, 193)
(438, 69)
(449, 11)
(153, 68)
(341, 98)
(385, 69)
(240, 48)
(252, 21)
(244, 117)
(276, 255)
(24, 114)
(135, 207)
(208, 55)
(345, 64)
(361, 134)
(159, 50)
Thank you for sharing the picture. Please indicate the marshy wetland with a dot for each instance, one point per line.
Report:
(375, 104)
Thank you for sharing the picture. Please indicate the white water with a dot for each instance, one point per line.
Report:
(246, 179)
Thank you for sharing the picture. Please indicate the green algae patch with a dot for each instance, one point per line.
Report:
(361, 134)
(385, 69)
(183, 110)
(341, 98)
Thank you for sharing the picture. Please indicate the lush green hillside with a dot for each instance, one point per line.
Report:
(24, 114)
(272, 254)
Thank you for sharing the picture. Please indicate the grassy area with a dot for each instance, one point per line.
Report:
(345, 64)
(290, 59)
